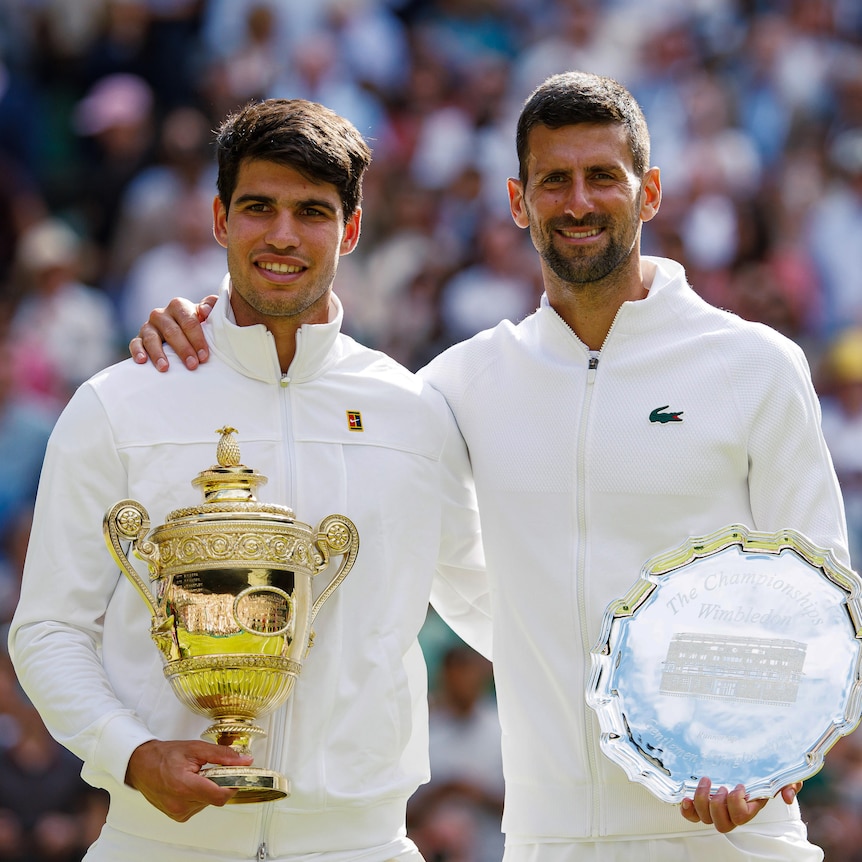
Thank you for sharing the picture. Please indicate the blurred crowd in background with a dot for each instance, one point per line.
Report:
(106, 183)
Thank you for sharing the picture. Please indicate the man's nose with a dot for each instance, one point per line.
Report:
(579, 201)
(282, 232)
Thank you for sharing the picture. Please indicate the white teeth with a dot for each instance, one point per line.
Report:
(581, 234)
(279, 267)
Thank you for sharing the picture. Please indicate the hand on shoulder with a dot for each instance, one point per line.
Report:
(179, 325)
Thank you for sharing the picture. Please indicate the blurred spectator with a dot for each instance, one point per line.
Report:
(463, 32)
(47, 812)
(502, 284)
(252, 66)
(767, 111)
(719, 172)
(174, 49)
(188, 265)
(425, 87)
(13, 547)
(317, 70)
(765, 291)
(116, 122)
(21, 206)
(840, 387)
(834, 234)
(121, 44)
(372, 42)
(25, 425)
(668, 59)
(467, 123)
(62, 330)
(155, 40)
(403, 248)
(223, 31)
(808, 59)
(416, 333)
(19, 125)
(578, 34)
(487, 99)
(456, 817)
(847, 89)
(461, 211)
(833, 802)
(148, 206)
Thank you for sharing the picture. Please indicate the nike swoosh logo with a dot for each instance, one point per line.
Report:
(657, 415)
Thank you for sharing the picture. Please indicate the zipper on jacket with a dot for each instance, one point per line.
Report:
(262, 849)
(589, 719)
(290, 445)
(278, 726)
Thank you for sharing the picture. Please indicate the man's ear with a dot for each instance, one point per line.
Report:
(351, 232)
(650, 194)
(516, 202)
(219, 222)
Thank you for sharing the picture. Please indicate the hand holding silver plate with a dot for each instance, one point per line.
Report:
(736, 656)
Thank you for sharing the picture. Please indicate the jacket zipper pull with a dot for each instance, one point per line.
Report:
(262, 853)
(594, 363)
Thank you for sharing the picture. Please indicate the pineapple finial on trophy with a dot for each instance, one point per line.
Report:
(227, 450)
(229, 480)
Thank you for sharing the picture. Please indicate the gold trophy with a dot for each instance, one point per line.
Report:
(233, 605)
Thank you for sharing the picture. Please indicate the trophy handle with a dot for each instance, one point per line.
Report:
(129, 520)
(336, 534)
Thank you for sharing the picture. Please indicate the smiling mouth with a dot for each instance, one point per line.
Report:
(282, 268)
(582, 233)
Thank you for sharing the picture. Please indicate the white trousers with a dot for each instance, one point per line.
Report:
(115, 846)
(766, 842)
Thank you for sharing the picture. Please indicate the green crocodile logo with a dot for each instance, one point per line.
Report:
(658, 416)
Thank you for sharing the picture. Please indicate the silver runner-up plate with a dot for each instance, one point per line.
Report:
(735, 656)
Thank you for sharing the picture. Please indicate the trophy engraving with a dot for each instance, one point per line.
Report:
(233, 606)
(736, 656)
(760, 670)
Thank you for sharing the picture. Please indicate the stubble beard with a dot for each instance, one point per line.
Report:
(287, 303)
(576, 268)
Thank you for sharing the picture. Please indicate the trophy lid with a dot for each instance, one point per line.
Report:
(229, 486)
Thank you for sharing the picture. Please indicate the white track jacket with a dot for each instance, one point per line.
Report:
(578, 488)
(352, 738)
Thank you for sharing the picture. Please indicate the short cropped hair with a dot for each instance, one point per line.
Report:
(570, 98)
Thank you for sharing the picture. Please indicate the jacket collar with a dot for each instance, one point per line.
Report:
(667, 272)
(251, 349)
(667, 294)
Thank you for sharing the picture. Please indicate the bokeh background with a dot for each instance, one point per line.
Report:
(106, 183)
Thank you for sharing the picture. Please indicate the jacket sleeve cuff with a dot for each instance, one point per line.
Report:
(118, 739)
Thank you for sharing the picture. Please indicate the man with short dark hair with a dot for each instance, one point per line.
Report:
(336, 428)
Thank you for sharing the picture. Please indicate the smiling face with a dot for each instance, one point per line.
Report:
(283, 235)
(584, 204)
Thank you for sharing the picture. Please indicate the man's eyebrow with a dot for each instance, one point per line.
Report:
(319, 203)
(253, 198)
(608, 165)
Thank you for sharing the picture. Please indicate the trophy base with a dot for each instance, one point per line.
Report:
(252, 784)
